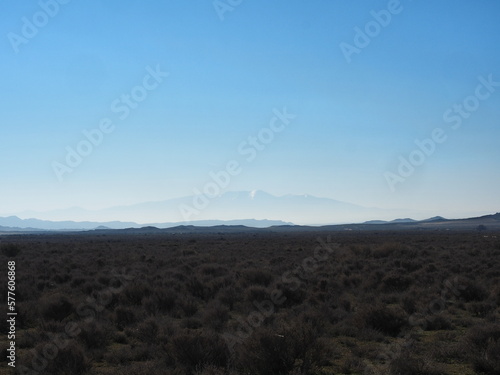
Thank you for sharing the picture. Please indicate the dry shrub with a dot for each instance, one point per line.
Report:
(196, 350)
(481, 309)
(119, 355)
(145, 368)
(472, 291)
(267, 352)
(10, 250)
(161, 301)
(438, 323)
(28, 339)
(165, 299)
(352, 365)
(191, 323)
(386, 249)
(215, 316)
(95, 335)
(213, 269)
(77, 281)
(388, 320)
(258, 277)
(287, 347)
(291, 296)
(48, 359)
(214, 370)
(147, 331)
(482, 344)
(136, 292)
(409, 364)
(257, 293)
(229, 296)
(61, 278)
(189, 307)
(55, 307)
(124, 316)
(196, 288)
(409, 303)
(396, 280)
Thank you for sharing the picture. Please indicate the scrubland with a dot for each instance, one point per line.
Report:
(398, 303)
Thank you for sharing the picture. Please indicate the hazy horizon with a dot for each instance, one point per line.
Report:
(389, 104)
(267, 207)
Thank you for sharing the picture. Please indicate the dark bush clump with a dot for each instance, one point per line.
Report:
(196, 350)
(229, 296)
(386, 249)
(95, 335)
(409, 303)
(52, 360)
(136, 292)
(438, 322)
(408, 364)
(294, 346)
(257, 293)
(480, 309)
(55, 307)
(189, 307)
(473, 292)
(216, 316)
(258, 277)
(196, 288)
(388, 320)
(191, 323)
(482, 343)
(10, 250)
(124, 316)
(165, 299)
(397, 281)
(147, 331)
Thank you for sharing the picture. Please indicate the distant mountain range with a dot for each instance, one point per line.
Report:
(257, 205)
(13, 224)
(259, 210)
(407, 220)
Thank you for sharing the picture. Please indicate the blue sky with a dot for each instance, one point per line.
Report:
(354, 120)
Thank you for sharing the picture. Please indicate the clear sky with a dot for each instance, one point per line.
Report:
(359, 101)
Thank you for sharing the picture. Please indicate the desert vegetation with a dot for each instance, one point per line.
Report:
(397, 303)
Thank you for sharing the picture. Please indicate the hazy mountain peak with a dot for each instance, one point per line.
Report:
(404, 220)
(258, 194)
(436, 218)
